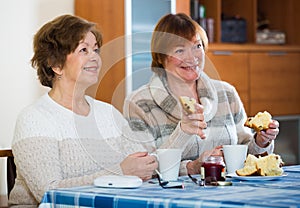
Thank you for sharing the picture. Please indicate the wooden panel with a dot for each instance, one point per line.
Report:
(294, 30)
(109, 15)
(183, 6)
(213, 10)
(275, 83)
(231, 67)
(6, 153)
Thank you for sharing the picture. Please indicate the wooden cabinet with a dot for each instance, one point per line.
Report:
(266, 77)
(281, 15)
(275, 82)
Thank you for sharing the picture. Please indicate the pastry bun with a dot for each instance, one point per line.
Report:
(269, 165)
(249, 168)
(260, 121)
(188, 104)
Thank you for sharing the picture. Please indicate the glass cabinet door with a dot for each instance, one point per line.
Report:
(141, 18)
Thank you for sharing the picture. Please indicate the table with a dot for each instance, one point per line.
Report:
(284, 192)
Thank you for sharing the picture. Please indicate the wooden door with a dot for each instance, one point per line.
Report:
(233, 68)
(109, 16)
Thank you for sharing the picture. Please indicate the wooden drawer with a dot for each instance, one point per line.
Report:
(231, 67)
(275, 83)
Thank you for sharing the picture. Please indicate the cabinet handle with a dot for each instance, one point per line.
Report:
(226, 53)
(277, 53)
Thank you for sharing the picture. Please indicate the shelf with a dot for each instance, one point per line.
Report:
(281, 15)
(252, 47)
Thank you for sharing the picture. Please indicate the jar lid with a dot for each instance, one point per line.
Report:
(215, 159)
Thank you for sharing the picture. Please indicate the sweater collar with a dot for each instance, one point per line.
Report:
(163, 97)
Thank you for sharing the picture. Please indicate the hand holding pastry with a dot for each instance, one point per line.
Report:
(266, 128)
(265, 137)
(192, 121)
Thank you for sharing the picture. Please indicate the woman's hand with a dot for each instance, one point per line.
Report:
(139, 164)
(194, 167)
(194, 123)
(264, 138)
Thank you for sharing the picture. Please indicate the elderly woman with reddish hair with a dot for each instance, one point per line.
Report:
(178, 50)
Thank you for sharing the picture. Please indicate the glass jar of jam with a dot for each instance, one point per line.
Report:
(214, 168)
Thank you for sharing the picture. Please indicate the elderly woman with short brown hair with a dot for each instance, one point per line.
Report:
(67, 138)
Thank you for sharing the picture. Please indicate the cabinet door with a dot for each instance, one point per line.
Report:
(109, 17)
(231, 67)
(275, 83)
(139, 29)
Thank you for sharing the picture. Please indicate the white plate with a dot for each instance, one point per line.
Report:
(115, 181)
(255, 178)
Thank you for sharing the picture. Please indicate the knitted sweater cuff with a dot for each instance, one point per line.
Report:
(178, 139)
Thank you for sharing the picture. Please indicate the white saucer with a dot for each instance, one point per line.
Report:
(115, 181)
(255, 178)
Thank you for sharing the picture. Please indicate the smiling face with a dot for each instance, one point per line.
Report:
(186, 60)
(178, 44)
(82, 66)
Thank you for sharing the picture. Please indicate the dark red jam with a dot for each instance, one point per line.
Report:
(214, 168)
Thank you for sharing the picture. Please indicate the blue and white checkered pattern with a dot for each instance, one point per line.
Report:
(284, 192)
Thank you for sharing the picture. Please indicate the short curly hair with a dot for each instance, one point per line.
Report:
(55, 40)
(171, 29)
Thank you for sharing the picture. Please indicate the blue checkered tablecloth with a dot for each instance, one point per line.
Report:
(284, 192)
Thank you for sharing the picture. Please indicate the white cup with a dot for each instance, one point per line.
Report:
(235, 156)
(169, 163)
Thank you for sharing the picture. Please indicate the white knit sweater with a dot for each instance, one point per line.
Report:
(53, 147)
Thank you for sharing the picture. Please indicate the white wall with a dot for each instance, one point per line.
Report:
(19, 86)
